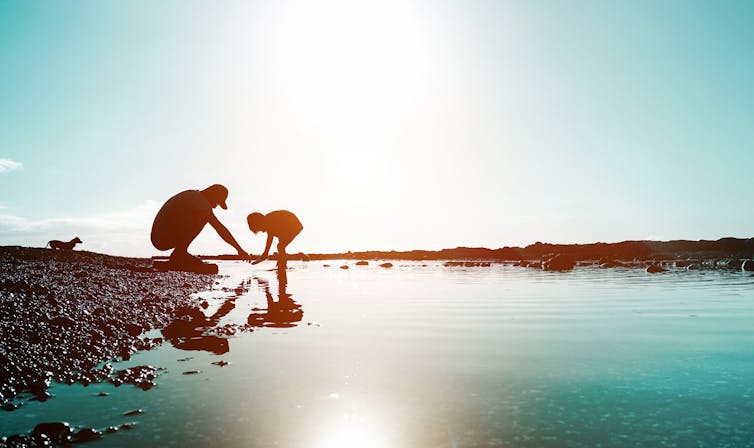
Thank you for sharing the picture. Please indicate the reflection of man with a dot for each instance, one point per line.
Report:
(181, 220)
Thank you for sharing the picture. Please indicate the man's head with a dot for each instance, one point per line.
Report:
(216, 195)
(255, 221)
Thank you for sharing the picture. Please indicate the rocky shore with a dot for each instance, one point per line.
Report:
(63, 313)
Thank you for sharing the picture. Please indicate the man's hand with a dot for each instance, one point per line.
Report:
(243, 255)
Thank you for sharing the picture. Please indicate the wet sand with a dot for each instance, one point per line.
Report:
(64, 313)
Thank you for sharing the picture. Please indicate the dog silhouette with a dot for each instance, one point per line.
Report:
(62, 245)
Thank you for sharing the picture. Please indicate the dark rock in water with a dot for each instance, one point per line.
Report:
(134, 412)
(345, 266)
(747, 265)
(559, 262)
(362, 263)
(386, 265)
(11, 406)
(325, 265)
(693, 267)
(192, 372)
(655, 268)
(127, 426)
(59, 433)
(103, 394)
(86, 435)
(139, 376)
(221, 363)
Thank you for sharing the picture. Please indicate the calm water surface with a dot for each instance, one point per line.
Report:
(429, 356)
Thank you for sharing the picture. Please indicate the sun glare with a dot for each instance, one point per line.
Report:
(347, 68)
(350, 433)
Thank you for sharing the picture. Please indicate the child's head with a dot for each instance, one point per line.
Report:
(255, 221)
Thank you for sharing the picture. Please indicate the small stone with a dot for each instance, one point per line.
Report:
(86, 435)
(655, 268)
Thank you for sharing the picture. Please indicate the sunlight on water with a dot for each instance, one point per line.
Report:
(350, 432)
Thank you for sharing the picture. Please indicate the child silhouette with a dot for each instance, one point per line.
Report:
(281, 224)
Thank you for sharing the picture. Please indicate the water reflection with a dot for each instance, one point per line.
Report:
(193, 330)
(281, 313)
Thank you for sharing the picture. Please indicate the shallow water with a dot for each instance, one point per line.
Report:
(429, 356)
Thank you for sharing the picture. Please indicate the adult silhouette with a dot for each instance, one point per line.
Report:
(182, 218)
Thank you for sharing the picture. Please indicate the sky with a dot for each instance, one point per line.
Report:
(384, 125)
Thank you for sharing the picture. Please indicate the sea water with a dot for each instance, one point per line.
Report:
(423, 355)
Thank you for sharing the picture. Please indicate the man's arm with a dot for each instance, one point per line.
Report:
(266, 249)
(225, 235)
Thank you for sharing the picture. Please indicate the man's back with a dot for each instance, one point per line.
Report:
(180, 214)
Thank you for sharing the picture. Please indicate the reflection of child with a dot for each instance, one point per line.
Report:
(281, 224)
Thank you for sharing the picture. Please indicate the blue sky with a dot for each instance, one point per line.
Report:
(383, 125)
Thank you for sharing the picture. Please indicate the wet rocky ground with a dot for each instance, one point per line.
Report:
(65, 314)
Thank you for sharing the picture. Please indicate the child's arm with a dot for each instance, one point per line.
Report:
(266, 250)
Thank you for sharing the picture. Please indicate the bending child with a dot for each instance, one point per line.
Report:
(281, 224)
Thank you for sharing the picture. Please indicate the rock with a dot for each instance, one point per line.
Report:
(134, 412)
(559, 262)
(57, 432)
(345, 266)
(386, 265)
(748, 266)
(86, 435)
(62, 321)
(133, 329)
(362, 263)
(655, 268)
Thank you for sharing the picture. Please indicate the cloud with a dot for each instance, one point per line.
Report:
(9, 165)
(124, 232)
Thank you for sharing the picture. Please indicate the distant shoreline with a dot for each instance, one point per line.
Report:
(643, 250)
